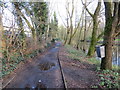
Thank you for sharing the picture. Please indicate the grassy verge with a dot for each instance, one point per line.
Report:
(79, 55)
(75, 54)
(117, 39)
(108, 78)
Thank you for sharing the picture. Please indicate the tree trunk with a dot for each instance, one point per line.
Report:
(108, 42)
(107, 61)
(66, 38)
(95, 27)
(1, 30)
(69, 42)
(78, 41)
(85, 29)
(28, 23)
(112, 21)
(71, 32)
(94, 37)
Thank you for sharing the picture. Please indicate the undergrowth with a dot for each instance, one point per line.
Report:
(75, 54)
(16, 58)
(107, 78)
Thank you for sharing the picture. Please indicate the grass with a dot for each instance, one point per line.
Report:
(93, 60)
(117, 39)
(75, 54)
(79, 55)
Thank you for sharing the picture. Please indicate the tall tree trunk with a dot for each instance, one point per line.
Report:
(112, 22)
(94, 38)
(95, 27)
(108, 42)
(71, 22)
(78, 41)
(85, 30)
(71, 31)
(67, 34)
(1, 30)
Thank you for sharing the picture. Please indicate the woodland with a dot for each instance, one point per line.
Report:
(28, 29)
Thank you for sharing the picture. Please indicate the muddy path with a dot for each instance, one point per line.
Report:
(44, 72)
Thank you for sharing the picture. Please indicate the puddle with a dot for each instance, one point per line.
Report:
(46, 65)
(38, 86)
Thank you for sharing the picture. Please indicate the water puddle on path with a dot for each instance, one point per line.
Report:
(46, 65)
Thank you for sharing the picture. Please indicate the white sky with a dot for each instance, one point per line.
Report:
(55, 5)
(59, 8)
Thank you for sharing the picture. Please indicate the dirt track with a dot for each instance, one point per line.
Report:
(45, 70)
(77, 74)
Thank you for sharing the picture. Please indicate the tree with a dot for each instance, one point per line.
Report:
(40, 11)
(20, 23)
(71, 22)
(71, 30)
(80, 31)
(54, 24)
(1, 30)
(95, 27)
(112, 29)
(20, 14)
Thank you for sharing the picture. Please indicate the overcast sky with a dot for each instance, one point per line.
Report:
(59, 7)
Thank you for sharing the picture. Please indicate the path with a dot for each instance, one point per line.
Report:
(77, 74)
(44, 69)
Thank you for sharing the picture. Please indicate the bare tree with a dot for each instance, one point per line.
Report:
(1, 30)
(95, 28)
(71, 30)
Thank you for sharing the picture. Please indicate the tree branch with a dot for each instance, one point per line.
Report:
(87, 9)
(117, 18)
(117, 31)
(97, 9)
(26, 20)
(98, 38)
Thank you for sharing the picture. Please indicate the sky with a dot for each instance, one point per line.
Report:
(57, 6)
